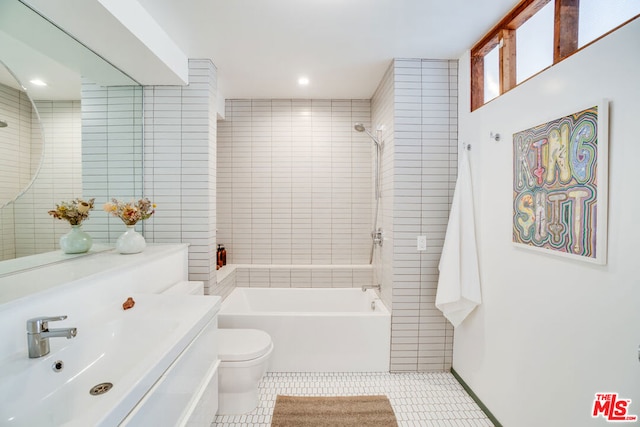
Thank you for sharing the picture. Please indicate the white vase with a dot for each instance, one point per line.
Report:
(130, 242)
(76, 241)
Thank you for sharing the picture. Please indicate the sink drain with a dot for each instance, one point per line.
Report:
(99, 389)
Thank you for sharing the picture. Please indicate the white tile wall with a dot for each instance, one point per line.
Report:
(15, 139)
(15, 159)
(226, 281)
(284, 177)
(417, 103)
(180, 167)
(302, 276)
(294, 182)
(382, 115)
(26, 227)
(111, 153)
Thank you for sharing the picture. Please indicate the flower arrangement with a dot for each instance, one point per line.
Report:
(130, 212)
(74, 211)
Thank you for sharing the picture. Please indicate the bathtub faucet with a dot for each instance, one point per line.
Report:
(38, 334)
(376, 287)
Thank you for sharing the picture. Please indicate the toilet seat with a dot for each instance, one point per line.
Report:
(240, 345)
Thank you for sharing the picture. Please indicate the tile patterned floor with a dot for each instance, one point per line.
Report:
(418, 399)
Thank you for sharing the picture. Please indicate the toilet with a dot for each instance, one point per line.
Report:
(244, 357)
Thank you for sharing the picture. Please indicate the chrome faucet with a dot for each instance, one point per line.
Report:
(38, 334)
(376, 287)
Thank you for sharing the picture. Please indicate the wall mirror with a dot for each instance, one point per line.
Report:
(20, 145)
(43, 130)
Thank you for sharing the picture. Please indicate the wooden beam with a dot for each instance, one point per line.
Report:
(477, 82)
(565, 33)
(512, 20)
(504, 30)
(507, 60)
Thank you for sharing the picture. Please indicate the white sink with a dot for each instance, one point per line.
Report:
(130, 349)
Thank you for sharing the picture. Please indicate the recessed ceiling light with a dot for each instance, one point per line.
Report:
(303, 81)
(37, 82)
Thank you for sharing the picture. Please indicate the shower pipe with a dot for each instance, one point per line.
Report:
(376, 234)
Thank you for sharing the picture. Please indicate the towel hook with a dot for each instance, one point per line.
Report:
(494, 136)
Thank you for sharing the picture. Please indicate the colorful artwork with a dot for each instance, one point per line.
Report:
(556, 192)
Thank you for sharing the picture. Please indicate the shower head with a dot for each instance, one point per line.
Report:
(359, 127)
(3, 124)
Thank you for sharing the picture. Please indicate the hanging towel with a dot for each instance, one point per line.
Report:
(459, 283)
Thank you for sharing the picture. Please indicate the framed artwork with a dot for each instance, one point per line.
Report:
(560, 185)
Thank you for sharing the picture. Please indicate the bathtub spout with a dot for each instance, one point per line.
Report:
(377, 287)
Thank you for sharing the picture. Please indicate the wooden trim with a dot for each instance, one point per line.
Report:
(565, 31)
(566, 24)
(507, 60)
(533, 8)
(512, 20)
(488, 47)
(476, 399)
(505, 28)
(477, 82)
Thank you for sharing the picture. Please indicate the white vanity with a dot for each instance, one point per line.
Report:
(153, 364)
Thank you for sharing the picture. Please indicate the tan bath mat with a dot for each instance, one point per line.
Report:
(339, 411)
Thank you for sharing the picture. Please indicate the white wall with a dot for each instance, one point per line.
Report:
(180, 166)
(552, 332)
(294, 182)
(416, 103)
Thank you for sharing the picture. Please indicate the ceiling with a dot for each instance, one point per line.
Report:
(261, 47)
(33, 48)
(343, 46)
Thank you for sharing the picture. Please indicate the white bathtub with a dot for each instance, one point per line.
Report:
(315, 330)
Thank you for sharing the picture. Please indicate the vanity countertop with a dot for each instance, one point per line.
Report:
(59, 269)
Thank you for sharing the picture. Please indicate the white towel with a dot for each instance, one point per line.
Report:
(458, 291)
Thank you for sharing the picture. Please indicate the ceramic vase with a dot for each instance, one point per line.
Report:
(75, 241)
(130, 242)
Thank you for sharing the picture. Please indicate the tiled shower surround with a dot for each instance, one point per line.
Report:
(295, 188)
(416, 102)
(294, 182)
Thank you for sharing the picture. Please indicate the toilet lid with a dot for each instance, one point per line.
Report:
(237, 345)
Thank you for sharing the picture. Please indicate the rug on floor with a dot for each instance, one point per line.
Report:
(343, 411)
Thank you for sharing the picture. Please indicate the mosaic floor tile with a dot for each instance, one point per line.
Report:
(418, 399)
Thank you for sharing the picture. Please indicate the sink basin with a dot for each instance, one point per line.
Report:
(130, 349)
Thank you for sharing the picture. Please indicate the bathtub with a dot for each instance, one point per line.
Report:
(131, 349)
(315, 330)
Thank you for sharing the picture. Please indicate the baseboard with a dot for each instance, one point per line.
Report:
(475, 398)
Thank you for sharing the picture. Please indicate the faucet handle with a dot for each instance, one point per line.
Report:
(40, 324)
